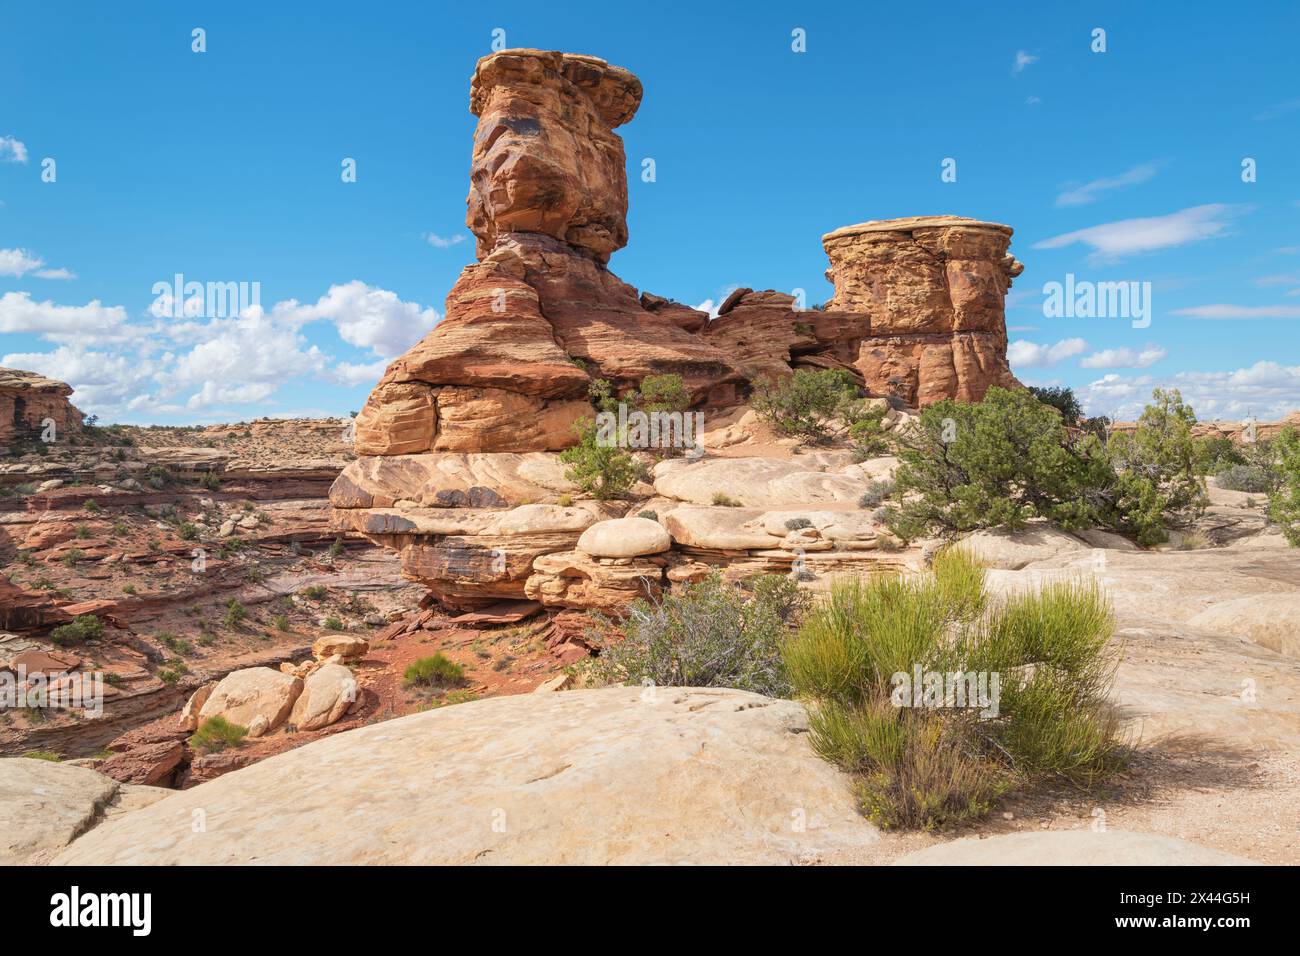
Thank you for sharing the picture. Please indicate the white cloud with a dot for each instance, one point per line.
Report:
(349, 373)
(1032, 101)
(102, 381)
(366, 317)
(18, 262)
(443, 242)
(54, 274)
(1124, 357)
(1126, 237)
(1098, 188)
(252, 348)
(91, 322)
(213, 393)
(1023, 60)
(1224, 310)
(12, 150)
(1025, 353)
(1266, 389)
(709, 306)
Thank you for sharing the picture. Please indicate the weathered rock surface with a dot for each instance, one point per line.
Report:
(580, 777)
(326, 696)
(933, 288)
(258, 698)
(28, 401)
(45, 805)
(578, 580)
(1071, 848)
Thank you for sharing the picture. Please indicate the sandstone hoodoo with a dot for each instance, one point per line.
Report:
(456, 466)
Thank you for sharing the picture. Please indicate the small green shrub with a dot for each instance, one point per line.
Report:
(236, 613)
(1284, 503)
(435, 671)
(648, 515)
(82, 532)
(333, 624)
(926, 755)
(663, 393)
(92, 506)
(50, 755)
(210, 481)
(877, 493)
(597, 465)
(216, 734)
(724, 500)
(807, 404)
(281, 623)
(712, 634)
(84, 627)
(187, 531)
(315, 592)
(1245, 478)
(72, 556)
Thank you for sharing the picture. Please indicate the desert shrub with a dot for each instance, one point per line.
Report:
(315, 591)
(1217, 453)
(92, 506)
(210, 481)
(663, 393)
(435, 671)
(877, 493)
(1156, 470)
(597, 465)
(281, 622)
(187, 531)
(996, 463)
(235, 613)
(168, 675)
(1061, 398)
(564, 500)
(808, 404)
(866, 428)
(84, 627)
(648, 515)
(724, 500)
(797, 524)
(1007, 459)
(1245, 478)
(174, 641)
(333, 624)
(336, 548)
(82, 532)
(72, 556)
(926, 754)
(50, 755)
(216, 734)
(712, 634)
(1284, 502)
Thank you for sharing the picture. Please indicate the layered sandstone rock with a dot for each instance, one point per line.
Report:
(30, 403)
(932, 289)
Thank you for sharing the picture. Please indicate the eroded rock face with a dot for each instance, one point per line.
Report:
(29, 401)
(932, 289)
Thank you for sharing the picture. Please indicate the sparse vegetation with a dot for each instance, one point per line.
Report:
(435, 671)
(926, 756)
(82, 628)
(808, 404)
(724, 500)
(1245, 478)
(712, 634)
(216, 734)
(333, 624)
(236, 613)
(1284, 503)
(598, 466)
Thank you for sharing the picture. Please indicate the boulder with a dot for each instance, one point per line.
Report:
(621, 775)
(1013, 550)
(1269, 620)
(1071, 848)
(624, 538)
(327, 694)
(347, 646)
(577, 580)
(188, 719)
(252, 693)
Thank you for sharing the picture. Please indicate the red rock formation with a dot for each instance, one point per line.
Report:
(932, 290)
(28, 401)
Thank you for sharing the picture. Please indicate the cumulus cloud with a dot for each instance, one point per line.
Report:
(1114, 240)
(1124, 357)
(91, 322)
(1268, 390)
(1098, 188)
(1025, 353)
(367, 317)
(18, 262)
(12, 150)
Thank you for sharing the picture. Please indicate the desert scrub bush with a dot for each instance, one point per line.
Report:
(92, 506)
(281, 623)
(435, 671)
(1061, 398)
(82, 628)
(663, 393)
(235, 613)
(712, 634)
(315, 592)
(210, 481)
(940, 699)
(808, 404)
(216, 734)
(597, 465)
(187, 531)
(82, 532)
(336, 548)
(72, 556)
(333, 624)
(1284, 502)
(877, 493)
(175, 642)
(50, 755)
(723, 500)
(1245, 478)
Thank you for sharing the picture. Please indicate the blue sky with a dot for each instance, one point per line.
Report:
(1123, 165)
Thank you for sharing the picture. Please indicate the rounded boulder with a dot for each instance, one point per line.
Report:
(624, 538)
